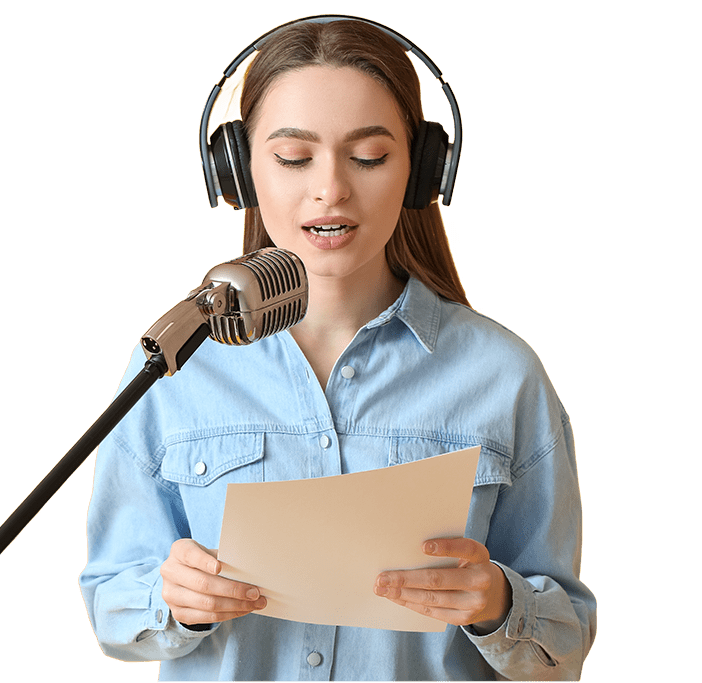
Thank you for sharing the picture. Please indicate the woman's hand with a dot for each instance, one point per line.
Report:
(476, 592)
(196, 594)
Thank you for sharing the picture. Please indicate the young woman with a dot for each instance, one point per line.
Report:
(389, 365)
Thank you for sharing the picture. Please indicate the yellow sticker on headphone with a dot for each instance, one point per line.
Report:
(227, 105)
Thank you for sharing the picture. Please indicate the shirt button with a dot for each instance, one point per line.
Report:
(159, 616)
(347, 372)
(314, 659)
(200, 468)
(324, 441)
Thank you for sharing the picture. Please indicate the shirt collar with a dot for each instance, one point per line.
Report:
(419, 308)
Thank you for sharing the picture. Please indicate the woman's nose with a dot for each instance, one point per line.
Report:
(331, 185)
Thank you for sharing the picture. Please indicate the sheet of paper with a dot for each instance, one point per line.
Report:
(316, 546)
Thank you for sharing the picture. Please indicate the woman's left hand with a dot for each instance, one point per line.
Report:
(476, 592)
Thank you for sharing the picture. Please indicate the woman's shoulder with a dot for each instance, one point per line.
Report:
(483, 334)
(500, 373)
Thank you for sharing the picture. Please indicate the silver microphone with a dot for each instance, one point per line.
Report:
(238, 303)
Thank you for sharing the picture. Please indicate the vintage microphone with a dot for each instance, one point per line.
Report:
(238, 303)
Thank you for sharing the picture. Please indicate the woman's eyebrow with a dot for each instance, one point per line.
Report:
(297, 133)
(368, 132)
(309, 136)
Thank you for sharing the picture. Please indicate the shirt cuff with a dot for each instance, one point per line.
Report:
(519, 623)
(159, 618)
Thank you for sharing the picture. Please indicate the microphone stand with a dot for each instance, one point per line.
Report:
(155, 368)
(168, 344)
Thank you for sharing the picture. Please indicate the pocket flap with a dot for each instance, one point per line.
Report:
(199, 461)
(493, 467)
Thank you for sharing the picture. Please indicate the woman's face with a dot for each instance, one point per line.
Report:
(330, 162)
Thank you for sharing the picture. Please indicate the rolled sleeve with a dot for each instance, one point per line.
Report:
(551, 625)
(133, 622)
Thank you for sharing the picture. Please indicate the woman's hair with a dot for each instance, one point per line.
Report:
(418, 246)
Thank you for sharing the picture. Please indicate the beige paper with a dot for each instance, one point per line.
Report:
(316, 546)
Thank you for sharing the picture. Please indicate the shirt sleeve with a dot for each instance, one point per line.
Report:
(134, 518)
(536, 538)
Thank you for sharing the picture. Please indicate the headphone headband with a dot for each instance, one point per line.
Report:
(453, 150)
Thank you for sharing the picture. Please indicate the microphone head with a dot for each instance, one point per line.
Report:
(267, 293)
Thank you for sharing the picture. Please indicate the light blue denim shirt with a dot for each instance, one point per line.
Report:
(426, 377)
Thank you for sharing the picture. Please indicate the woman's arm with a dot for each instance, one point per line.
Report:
(536, 537)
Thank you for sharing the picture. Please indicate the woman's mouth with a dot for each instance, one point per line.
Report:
(329, 230)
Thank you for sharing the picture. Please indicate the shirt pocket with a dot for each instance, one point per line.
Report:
(200, 469)
(201, 461)
(493, 472)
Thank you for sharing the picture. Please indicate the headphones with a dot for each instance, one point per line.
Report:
(226, 159)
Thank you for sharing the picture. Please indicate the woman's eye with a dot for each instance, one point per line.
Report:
(370, 163)
(291, 163)
(360, 162)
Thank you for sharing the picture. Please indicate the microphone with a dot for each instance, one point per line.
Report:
(238, 303)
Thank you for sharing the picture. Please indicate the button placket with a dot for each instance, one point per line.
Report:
(317, 652)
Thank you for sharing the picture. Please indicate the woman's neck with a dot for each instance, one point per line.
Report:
(338, 307)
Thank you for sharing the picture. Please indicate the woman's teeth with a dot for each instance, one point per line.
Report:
(330, 230)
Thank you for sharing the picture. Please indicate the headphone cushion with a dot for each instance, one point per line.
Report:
(232, 162)
(242, 156)
(427, 165)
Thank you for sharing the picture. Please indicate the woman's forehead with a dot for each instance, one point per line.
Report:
(319, 98)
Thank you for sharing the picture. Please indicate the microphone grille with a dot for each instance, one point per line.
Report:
(283, 316)
(276, 272)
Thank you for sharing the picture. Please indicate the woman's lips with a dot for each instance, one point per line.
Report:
(330, 222)
(330, 232)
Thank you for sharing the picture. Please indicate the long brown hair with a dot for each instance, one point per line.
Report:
(419, 245)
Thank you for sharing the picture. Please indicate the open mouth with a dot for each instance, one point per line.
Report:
(329, 230)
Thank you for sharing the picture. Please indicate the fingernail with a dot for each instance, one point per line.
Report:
(260, 603)
(383, 580)
(252, 593)
(381, 591)
(430, 548)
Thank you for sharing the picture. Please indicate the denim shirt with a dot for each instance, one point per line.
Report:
(426, 377)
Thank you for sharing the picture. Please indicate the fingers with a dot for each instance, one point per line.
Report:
(450, 616)
(435, 579)
(207, 584)
(457, 595)
(454, 595)
(466, 549)
(191, 607)
(196, 594)
(453, 608)
(192, 554)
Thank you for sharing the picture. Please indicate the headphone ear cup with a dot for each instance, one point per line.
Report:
(232, 161)
(428, 159)
(243, 164)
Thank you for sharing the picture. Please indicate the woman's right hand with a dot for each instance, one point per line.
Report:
(196, 594)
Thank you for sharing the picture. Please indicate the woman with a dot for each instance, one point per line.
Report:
(389, 365)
